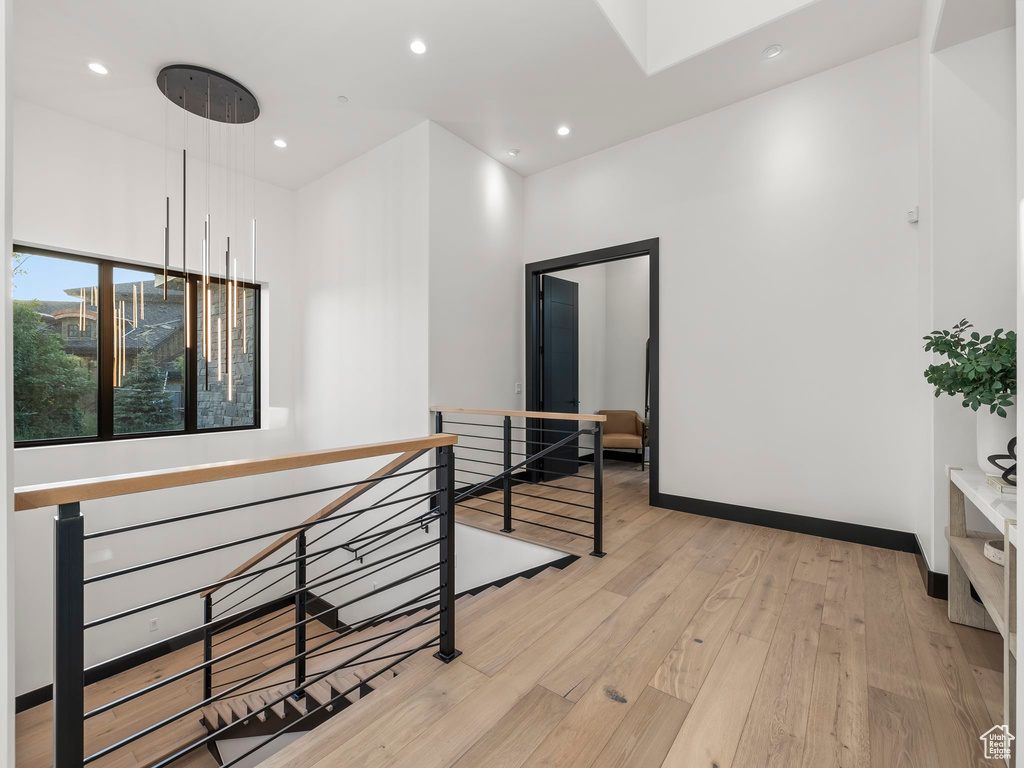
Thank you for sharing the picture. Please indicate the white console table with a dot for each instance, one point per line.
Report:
(996, 585)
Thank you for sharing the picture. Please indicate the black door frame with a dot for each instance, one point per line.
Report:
(602, 255)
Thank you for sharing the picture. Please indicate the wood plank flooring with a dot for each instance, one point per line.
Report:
(695, 642)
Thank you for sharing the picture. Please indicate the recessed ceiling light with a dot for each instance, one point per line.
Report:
(772, 51)
(343, 99)
(563, 130)
(513, 153)
(98, 68)
(418, 47)
(280, 143)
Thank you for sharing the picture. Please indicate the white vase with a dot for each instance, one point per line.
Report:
(994, 434)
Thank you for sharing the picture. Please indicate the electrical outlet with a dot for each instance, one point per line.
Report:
(152, 625)
(519, 388)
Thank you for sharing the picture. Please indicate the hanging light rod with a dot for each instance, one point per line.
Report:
(215, 98)
(186, 85)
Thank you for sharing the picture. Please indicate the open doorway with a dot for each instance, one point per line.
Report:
(592, 346)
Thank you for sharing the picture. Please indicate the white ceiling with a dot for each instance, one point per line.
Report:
(500, 74)
(963, 20)
(662, 33)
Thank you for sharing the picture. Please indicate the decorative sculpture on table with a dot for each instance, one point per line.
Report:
(1009, 473)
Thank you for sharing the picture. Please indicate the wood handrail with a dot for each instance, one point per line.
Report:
(524, 414)
(350, 495)
(38, 496)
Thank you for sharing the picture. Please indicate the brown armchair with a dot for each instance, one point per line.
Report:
(625, 429)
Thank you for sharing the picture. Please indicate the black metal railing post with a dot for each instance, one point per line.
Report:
(598, 491)
(207, 646)
(300, 608)
(69, 638)
(438, 429)
(507, 480)
(446, 511)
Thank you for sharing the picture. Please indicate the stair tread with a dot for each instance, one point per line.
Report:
(227, 716)
(342, 683)
(298, 705)
(211, 716)
(255, 703)
(278, 708)
(373, 668)
(543, 576)
(368, 675)
(320, 692)
(491, 599)
(464, 601)
(239, 707)
(410, 618)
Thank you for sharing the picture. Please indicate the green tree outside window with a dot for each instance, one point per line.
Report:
(141, 404)
(49, 384)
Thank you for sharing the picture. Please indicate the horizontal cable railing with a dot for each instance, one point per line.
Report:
(271, 632)
(500, 453)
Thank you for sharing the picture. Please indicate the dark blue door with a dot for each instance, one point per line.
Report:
(560, 369)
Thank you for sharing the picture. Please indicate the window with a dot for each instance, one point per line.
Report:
(56, 396)
(149, 352)
(227, 395)
(107, 351)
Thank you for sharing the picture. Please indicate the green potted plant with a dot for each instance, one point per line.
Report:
(983, 371)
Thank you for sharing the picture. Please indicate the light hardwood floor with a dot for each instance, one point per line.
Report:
(695, 642)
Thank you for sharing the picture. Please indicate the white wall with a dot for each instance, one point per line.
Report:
(1019, 91)
(7, 540)
(412, 257)
(788, 287)
(476, 274)
(361, 244)
(968, 232)
(924, 403)
(84, 188)
(628, 328)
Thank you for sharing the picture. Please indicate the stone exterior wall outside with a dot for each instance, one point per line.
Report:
(213, 407)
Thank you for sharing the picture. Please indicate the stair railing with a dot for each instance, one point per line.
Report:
(536, 450)
(404, 571)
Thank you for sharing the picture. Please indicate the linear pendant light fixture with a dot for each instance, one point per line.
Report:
(225, 107)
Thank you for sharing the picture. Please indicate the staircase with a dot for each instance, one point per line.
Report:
(270, 658)
(280, 708)
(338, 689)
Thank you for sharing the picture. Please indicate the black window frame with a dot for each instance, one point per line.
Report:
(105, 353)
